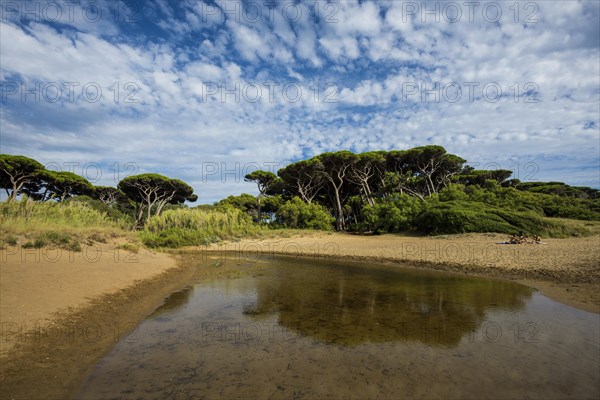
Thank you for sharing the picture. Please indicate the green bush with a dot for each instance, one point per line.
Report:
(393, 215)
(463, 216)
(38, 243)
(511, 199)
(193, 227)
(300, 215)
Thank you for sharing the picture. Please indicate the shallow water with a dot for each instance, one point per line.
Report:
(306, 329)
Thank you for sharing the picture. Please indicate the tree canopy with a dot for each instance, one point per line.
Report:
(344, 181)
(151, 192)
(375, 191)
(18, 171)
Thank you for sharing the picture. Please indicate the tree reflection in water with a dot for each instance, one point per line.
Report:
(174, 302)
(350, 304)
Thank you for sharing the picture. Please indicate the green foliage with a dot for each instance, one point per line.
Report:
(468, 216)
(453, 192)
(512, 199)
(38, 243)
(244, 202)
(74, 246)
(270, 204)
(205, 207)
(61, 240)
(18, 172)
(302, 178)
(63, 185)
(300, 215)
(151, 192)
(392, 215)
(559, 189)
(193, 227)
(26, 216)
(470, 176)
(137, 187)
(263, 179)
(380, 191)
(114, 211)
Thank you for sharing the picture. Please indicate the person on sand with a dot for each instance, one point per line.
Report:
(514, 239)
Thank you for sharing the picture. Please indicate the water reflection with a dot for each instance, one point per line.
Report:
(174, 302)
(350, 304)
(357, 331)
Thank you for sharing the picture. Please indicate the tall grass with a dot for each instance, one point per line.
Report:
(193, 227)
(27, 216)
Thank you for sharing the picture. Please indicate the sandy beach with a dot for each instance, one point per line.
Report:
(62, 311)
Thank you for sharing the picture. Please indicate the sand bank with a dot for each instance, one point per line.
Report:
(61, 311)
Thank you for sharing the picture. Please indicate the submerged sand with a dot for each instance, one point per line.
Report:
(62, 311)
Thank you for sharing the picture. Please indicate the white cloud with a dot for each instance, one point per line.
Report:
(371, 54)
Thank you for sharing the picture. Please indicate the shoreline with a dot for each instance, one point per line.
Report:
(566, 270)
(56, 346)
(60, 354)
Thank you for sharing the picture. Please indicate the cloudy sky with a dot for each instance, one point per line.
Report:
(208, 91)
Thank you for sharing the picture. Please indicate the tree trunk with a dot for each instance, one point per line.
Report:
(15, 190)
(258, 216)
(149, 211)
(340, 212)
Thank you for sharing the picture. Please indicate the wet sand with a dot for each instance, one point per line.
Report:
(61, 312)
(59, 318)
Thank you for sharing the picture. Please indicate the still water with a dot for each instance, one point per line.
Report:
(296, 329)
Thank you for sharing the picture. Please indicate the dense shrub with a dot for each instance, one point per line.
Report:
(465, 216)
(559, 189)
(393, 215)
(512, 199)
(300, 215)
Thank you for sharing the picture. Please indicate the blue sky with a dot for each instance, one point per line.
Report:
(207, 91)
